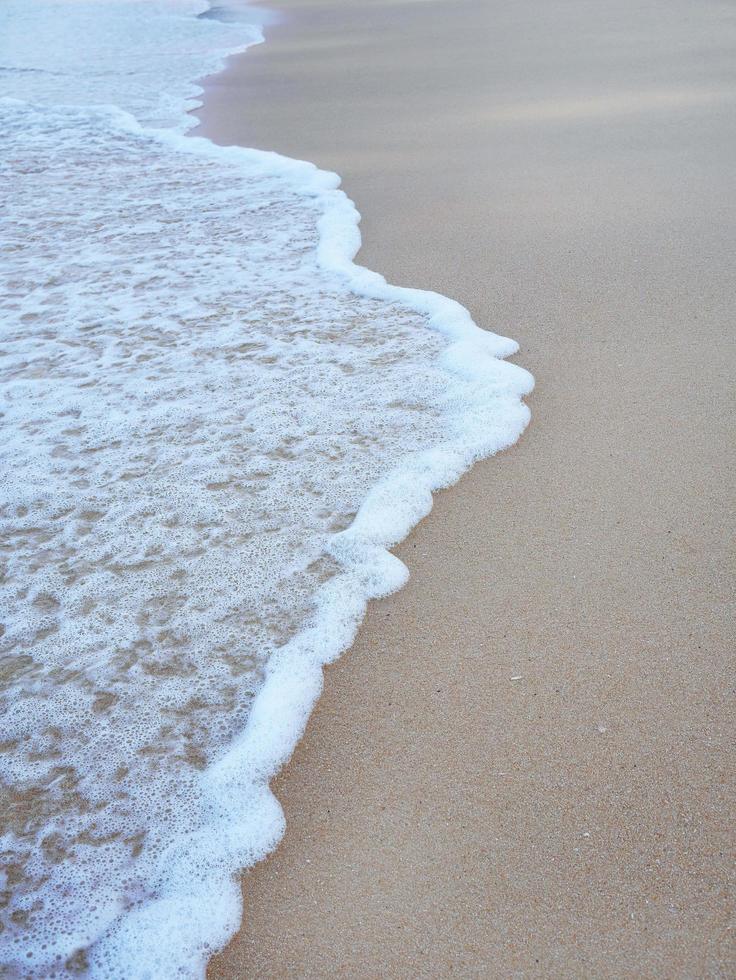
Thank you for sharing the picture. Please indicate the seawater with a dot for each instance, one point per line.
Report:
(214, 425)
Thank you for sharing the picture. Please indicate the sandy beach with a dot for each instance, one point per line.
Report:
(524, 765)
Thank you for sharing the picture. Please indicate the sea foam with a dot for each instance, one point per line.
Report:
(215, 426)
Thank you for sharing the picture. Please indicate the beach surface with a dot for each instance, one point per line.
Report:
(524, 765)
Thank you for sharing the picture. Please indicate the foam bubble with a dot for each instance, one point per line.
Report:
(215, 427)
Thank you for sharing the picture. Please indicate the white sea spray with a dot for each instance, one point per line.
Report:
(214, 426)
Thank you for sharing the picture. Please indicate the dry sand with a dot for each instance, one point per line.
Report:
(565, 168)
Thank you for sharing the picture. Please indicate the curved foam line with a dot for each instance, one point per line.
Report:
(199, 873)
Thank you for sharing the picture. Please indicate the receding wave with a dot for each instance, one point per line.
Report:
(214, 427)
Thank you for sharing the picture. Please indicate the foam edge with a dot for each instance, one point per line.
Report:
(199, 896)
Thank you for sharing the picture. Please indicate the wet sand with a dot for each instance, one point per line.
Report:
(524, 766)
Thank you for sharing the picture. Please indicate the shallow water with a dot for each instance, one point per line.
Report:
(195, 400)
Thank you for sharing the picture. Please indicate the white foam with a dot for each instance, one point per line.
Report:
(215, 427)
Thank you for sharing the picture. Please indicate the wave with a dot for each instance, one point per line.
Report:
(216, 426)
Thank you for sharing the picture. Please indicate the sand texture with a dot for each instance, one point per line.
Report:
(524, 766)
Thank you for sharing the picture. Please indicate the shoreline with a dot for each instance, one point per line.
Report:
(515, 855)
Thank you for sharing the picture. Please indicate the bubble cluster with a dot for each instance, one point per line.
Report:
(213, 427)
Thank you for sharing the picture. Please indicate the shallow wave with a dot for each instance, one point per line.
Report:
(215, 426)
